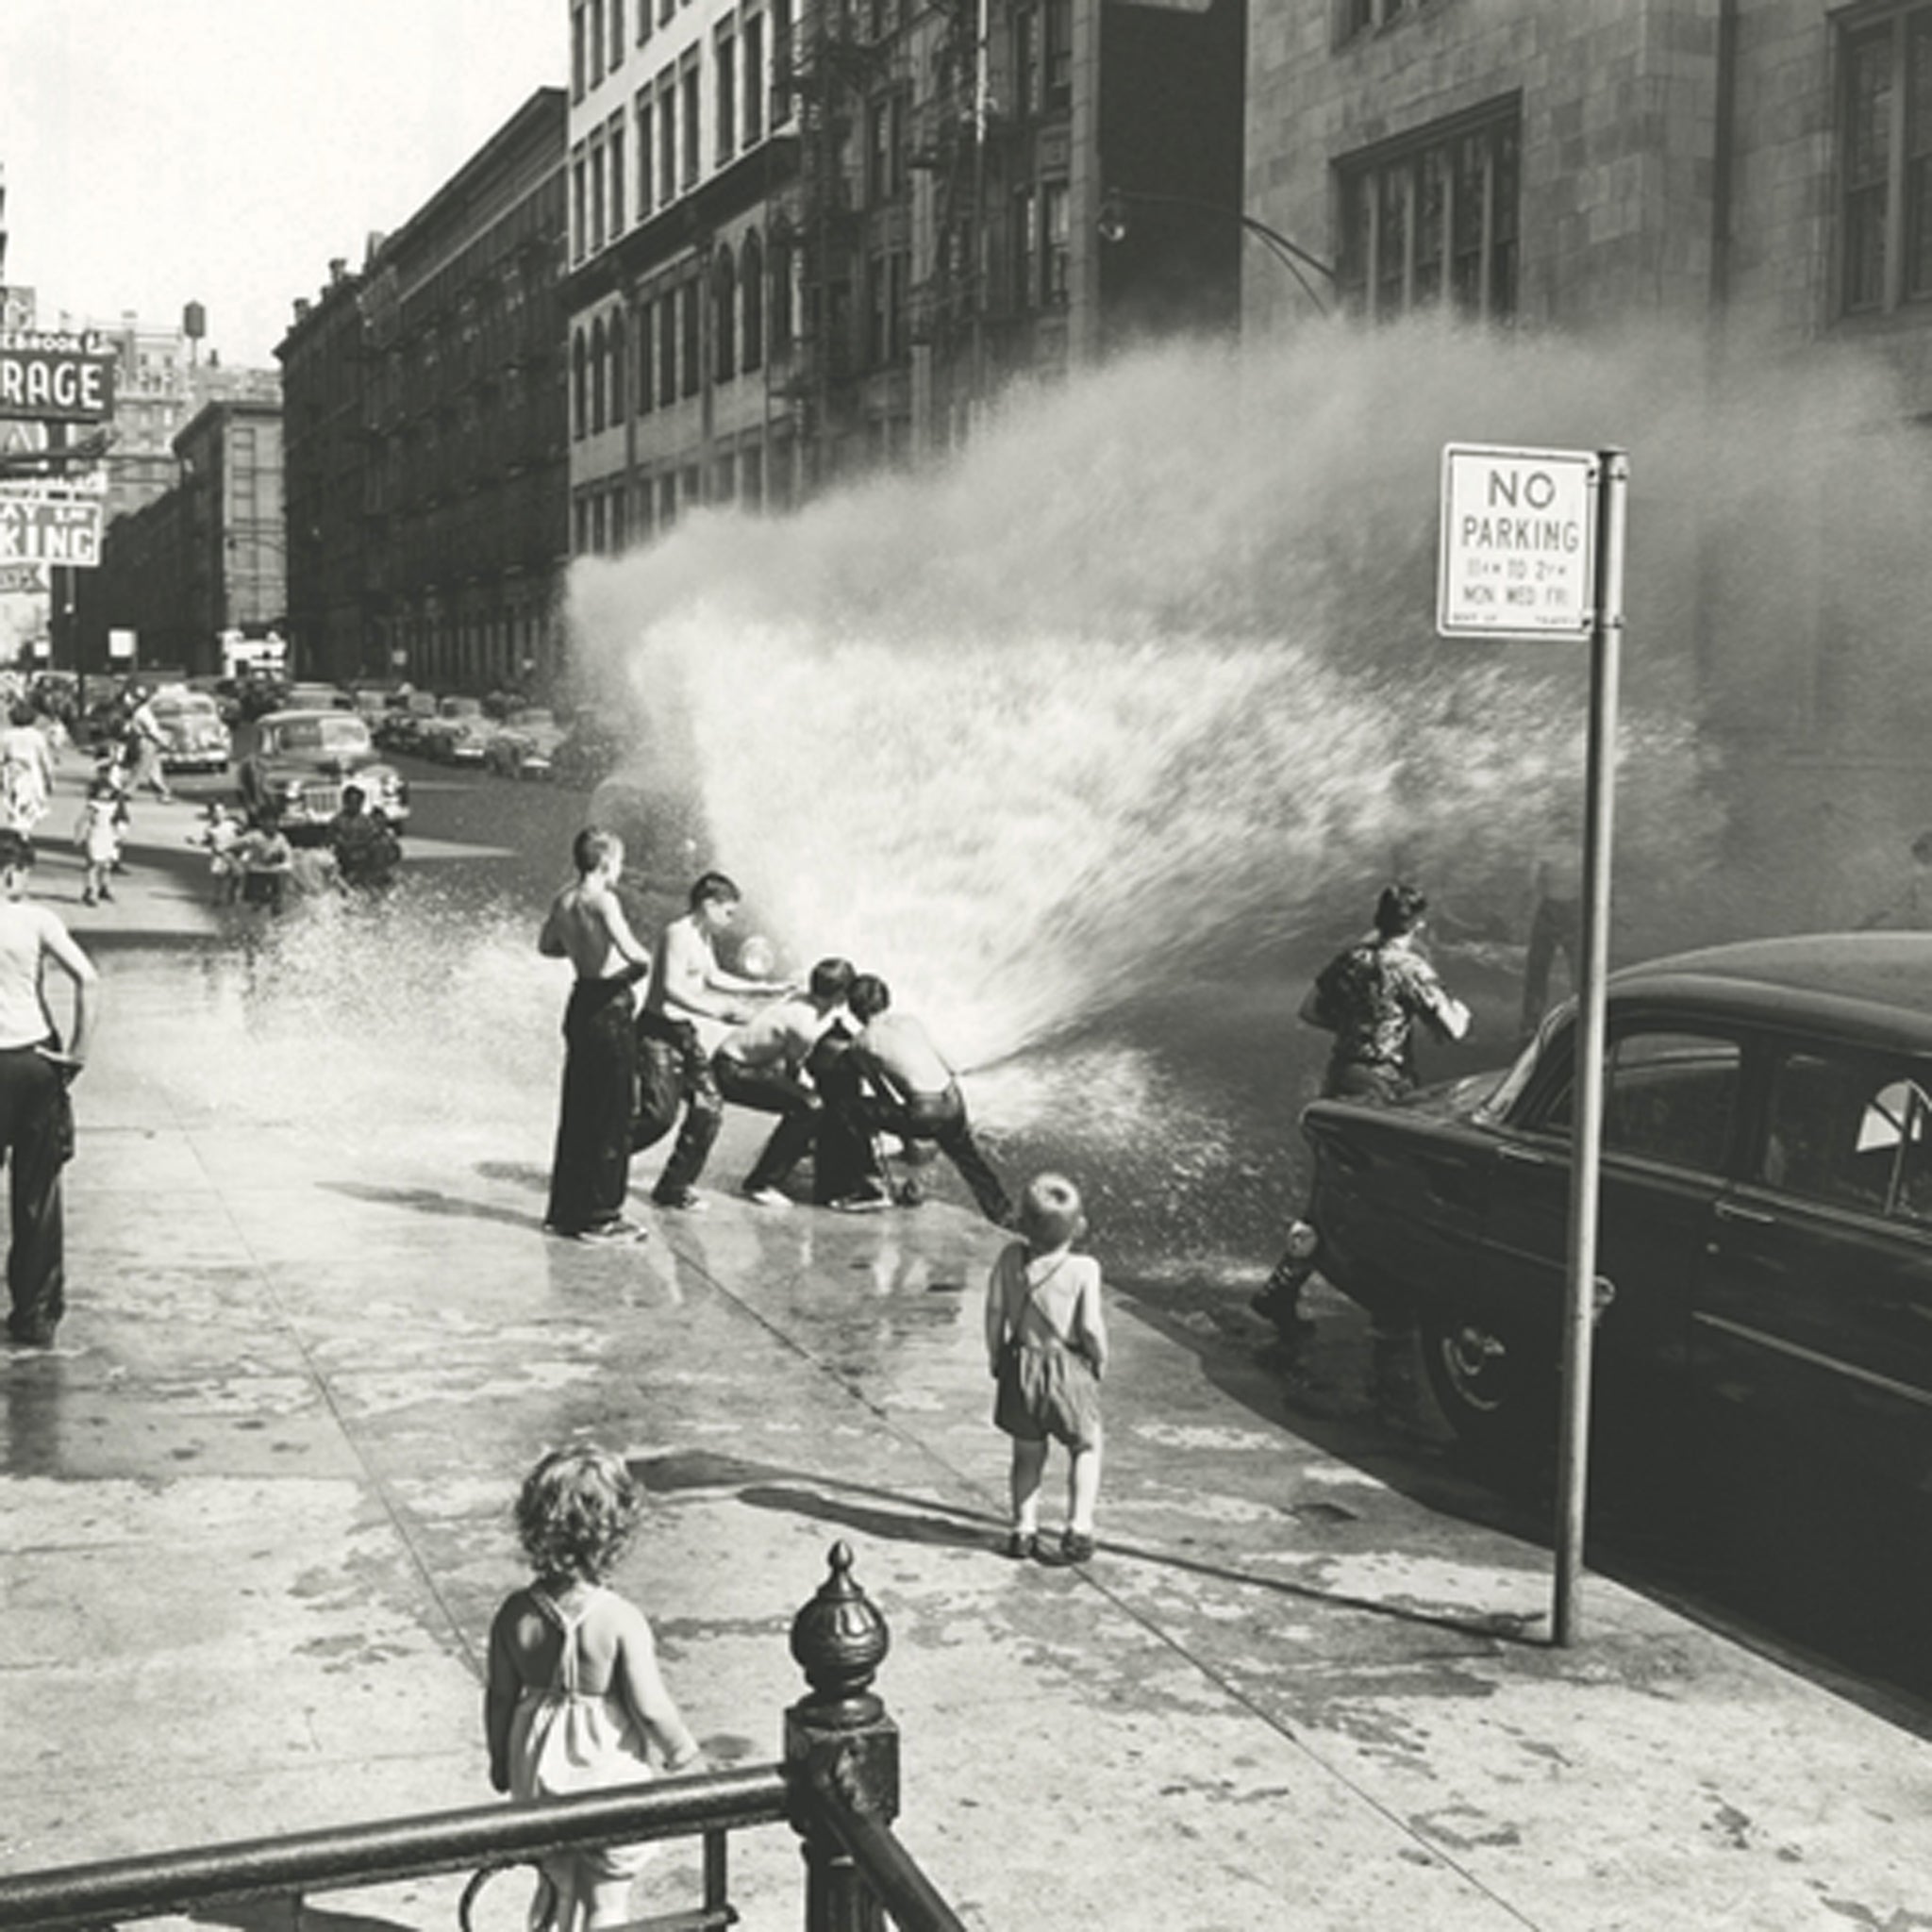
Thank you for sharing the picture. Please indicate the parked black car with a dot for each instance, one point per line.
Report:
(1766, 1207)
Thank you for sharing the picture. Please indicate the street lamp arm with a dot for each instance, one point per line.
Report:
(1114, 228)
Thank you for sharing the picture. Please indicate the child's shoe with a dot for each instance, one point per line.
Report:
(1022, 1546)
(87, 898)
(1075, 1547)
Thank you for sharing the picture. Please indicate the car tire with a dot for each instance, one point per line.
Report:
(1495, 1383)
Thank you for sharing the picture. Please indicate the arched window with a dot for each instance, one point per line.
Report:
(752, 279)
(724, 316)
(597, 375)
(579, 393)
(779, 333)
(647, 311)
(617, 366)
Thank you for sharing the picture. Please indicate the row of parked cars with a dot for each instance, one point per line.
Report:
(525, 741)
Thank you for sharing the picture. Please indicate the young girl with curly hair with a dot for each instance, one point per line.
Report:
(576, 1702)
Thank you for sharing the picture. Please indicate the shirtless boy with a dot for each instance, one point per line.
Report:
(693, 1003)
(586, 926)
(915, 1092)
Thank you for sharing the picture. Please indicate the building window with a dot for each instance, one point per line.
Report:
(578, 62)
(754, 66)
(1026, 62)
(598, 200)
(595, 31)
(1885, 237)
(690, 345)
(1025, 243)
(667, 10)
(579, 208)
(619, 362)
(688, 104)
(579, 385)
(667, 140)
(666, 351)
(616, 35)
(782, 62)
(1354, 18)
(1057, 17)
(667, 500)
(646, 314)
(725, 76)
(751, 281)
(878, 143)
(725, 317)
(644, 28)
(1447, 196)
(598, 388)
(614, 146)
(780, 331)
(644, 137)
(1056, 235)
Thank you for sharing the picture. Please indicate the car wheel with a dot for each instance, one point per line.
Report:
(1493, 1383)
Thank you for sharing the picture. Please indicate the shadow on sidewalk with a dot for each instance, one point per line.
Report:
(766, 1486)
(432, 1201)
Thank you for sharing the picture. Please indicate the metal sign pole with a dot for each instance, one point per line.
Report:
(1600, 777)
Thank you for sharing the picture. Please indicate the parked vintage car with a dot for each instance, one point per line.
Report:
(194, 738)
(402, 726)
(301, 761)
(524, 744)
(1765, 1237)
(458, 733)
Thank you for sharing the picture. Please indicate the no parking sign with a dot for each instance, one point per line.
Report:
(1518, 554)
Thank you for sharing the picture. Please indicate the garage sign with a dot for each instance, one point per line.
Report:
(56, 379)
(1517, 552)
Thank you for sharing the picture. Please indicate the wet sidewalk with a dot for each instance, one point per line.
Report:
(256, 1524)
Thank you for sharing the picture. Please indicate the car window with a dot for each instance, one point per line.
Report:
(1851, 1133)
(341, 731)
(1668, 1096)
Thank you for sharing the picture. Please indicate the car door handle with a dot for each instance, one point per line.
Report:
(1524, 1157)
(1757, 1217)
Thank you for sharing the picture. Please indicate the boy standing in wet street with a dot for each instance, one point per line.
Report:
(590, 1170)
(35, 1071)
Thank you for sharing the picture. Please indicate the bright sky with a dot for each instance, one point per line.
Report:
(158, 152)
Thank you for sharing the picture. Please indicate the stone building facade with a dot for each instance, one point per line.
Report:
(1755, 175)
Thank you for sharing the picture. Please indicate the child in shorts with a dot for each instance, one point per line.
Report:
(575, 1701)
(1046, 1349)
(97, 832)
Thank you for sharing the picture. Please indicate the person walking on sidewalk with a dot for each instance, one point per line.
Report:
(692, 1004)
(26, 770)
(36, 1115)
(145, 741)
(1046, 1351)
(761, 1066)
(590, 1170)
(576, 1701)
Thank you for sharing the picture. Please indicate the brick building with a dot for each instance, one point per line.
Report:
(425, 433)
(809, 242)
(204, 556)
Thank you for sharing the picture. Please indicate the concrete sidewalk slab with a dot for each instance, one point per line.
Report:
(256, 1503)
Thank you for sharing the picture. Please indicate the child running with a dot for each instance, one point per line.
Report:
(97, 832)
(575, 1701)
(1046, 1348)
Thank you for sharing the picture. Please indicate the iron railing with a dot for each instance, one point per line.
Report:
(838, 1787)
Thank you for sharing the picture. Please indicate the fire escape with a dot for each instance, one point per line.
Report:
(834, 67)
